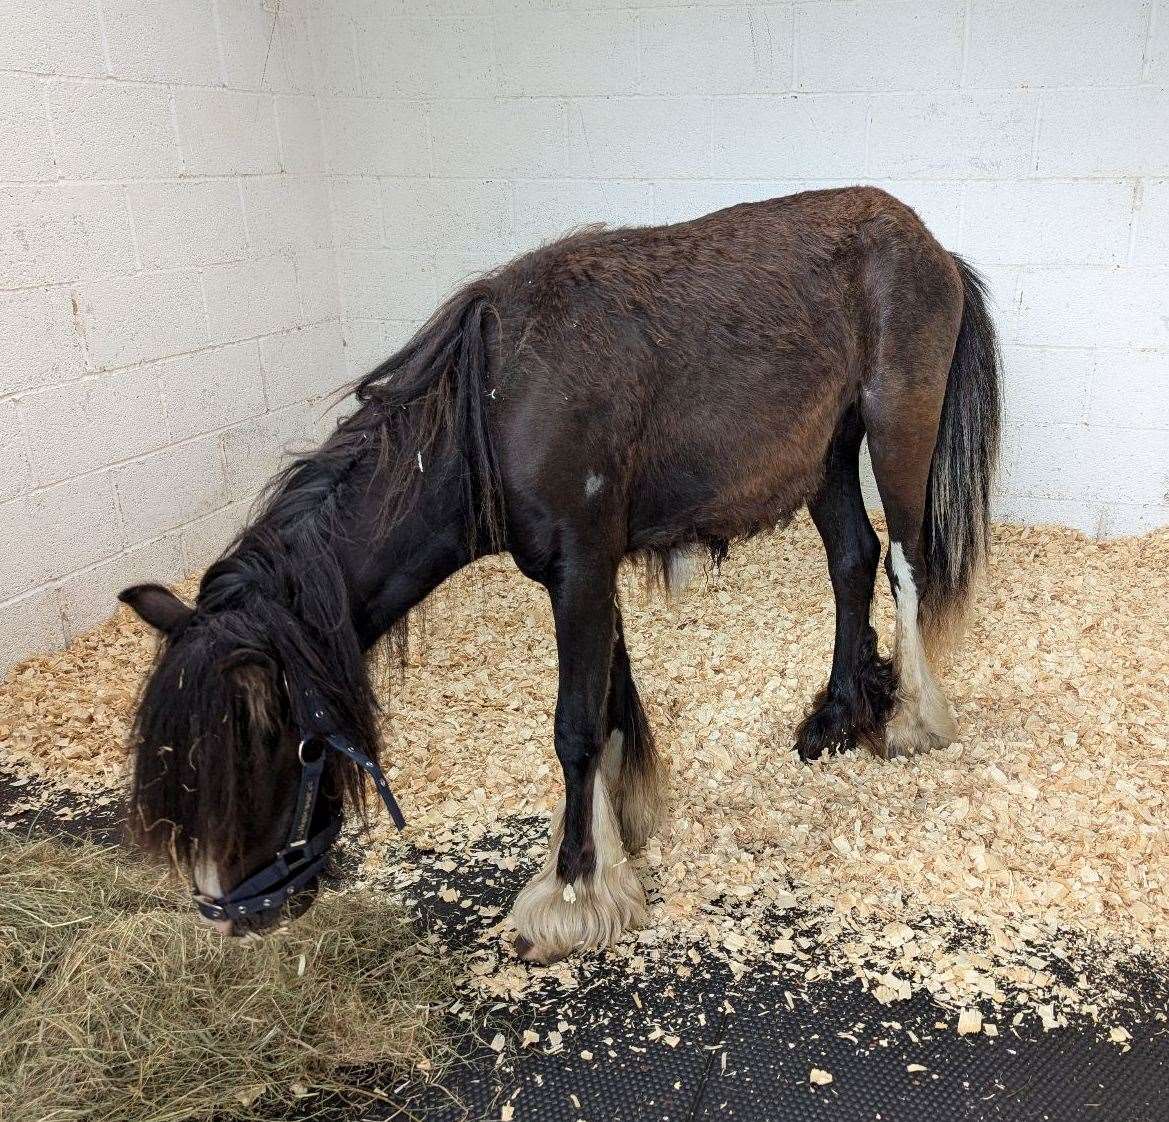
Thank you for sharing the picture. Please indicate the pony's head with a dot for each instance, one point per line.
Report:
(219, 742)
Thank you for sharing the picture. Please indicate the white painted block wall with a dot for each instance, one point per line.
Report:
(169, 309)
(212, 211)
(1031, 135)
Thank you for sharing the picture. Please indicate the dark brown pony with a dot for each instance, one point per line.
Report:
(649, 392)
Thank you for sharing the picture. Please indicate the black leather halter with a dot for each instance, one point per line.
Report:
(302, 857)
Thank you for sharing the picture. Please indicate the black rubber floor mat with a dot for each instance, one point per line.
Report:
(745, 1049)
(624, 1046)
(680, 1040)
(773, 1043)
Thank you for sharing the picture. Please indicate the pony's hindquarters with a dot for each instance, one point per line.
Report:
(931, 412)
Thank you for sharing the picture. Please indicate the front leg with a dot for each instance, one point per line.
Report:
(587, 893)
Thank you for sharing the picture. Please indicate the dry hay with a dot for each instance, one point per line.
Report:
(116, 1007)
(1009, 869)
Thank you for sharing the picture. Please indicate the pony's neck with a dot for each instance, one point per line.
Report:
(393, 570)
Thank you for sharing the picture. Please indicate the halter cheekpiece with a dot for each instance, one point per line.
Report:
(302, 857)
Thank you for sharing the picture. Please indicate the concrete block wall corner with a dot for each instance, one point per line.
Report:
(214, 212)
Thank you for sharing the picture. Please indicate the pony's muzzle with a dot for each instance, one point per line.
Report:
(223, 926)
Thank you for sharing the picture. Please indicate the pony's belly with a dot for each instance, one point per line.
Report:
(721, 506)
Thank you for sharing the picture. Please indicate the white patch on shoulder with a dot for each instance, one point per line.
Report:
(593, 484)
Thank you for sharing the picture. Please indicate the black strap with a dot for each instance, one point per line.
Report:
(302, 858)
(319, 725)
(370, 767)
(272, 886)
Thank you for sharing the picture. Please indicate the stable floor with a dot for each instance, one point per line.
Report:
(683, 1041)
(819, 935)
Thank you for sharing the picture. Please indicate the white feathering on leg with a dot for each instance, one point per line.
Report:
(599, 907)
(922, 719)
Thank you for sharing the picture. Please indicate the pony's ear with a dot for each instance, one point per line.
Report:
(158, 606)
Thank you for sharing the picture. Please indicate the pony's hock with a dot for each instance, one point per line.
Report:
(644, 392)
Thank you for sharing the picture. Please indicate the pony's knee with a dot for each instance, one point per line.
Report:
(554, 917)
(860, 558)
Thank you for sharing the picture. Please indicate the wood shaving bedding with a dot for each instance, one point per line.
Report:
(1011, 869)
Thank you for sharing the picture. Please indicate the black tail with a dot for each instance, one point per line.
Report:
(640, 752)
(962, 474)
(439, 381)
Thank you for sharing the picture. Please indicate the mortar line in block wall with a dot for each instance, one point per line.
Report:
(176, 132)
(778, 94)
(166, 404)
(206, 302)
(224, 466)
(795, 40)
(709, 177)
(24, 439)
(56, 583)
(133, 230)
(185, 179)
(960, 236)
(779, 176)
(710, 134)
(217, 20)
(963, 65)
(51, 133)
(1090, 396)
(243, 211)
(53, 77)
(90, 371)
(120, 513)
(866, 151)
(1137, 202)
(496, 61)
(62, 615)
(1033, 169)
(209, 434)
(107, 57)
(638, 47)
(1150, 39)
(423, 96)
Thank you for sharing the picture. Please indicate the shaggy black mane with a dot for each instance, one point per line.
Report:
(273, 616)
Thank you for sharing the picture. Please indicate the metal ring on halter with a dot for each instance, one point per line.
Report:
(309, 740)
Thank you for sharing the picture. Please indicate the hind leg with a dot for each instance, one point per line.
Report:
(858, 697)
(901, 418)
(630, 763)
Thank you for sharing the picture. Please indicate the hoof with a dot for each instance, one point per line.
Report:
(827, 729)
(911, 730)
(553, 919)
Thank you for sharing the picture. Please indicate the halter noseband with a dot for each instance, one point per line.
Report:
(302, 857)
